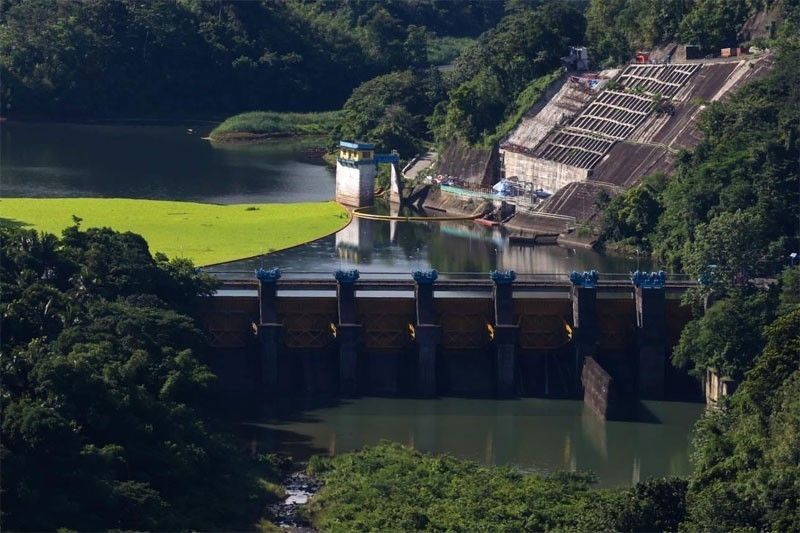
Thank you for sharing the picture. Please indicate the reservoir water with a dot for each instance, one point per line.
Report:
(167, 162)
(156, 162)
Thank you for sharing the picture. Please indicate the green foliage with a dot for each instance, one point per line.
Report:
(104, 392)
(790, 289)
(731, 249)
(271, 123)
(443, 50)
(490, 74)
(631, 217)
(474, 107)
(389, 111)
(123, 58)
(727, 337)
(712, 24)
(615, 29)
(524, 102)
(747, 453)
(394, 488)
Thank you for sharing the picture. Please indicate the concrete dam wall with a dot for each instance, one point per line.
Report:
(428, 337)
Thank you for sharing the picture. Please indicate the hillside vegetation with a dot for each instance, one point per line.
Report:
(106, 398)
(126, 58)
(271, 124)
(617, 28)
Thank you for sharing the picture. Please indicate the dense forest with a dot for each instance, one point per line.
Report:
(124, 58)
(106, 408)
(168, 59)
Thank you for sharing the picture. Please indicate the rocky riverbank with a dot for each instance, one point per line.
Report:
(289, 513)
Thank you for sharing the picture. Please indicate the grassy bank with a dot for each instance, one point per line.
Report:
(204, 233)
(257, 125)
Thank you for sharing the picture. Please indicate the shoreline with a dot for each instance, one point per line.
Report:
(245, 137)
(208, 234)
(350, 218)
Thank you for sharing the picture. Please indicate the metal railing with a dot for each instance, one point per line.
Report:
(522, 277)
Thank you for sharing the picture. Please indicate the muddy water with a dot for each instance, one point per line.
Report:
(535, 435)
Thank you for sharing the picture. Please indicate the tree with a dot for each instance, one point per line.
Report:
(167, 58)
(712, 24)
(105, 392)
(632, 216)
(388, 110)
(616, 28)
(731, 249)
(747, 472)
(727, 337)
(489, 75)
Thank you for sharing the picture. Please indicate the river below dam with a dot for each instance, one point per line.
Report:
(535, 435)
(173, 162)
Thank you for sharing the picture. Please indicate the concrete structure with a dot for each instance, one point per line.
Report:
(356, 168)
(508, 335)
(355, 174)
(638, 142)
(561, 102)
(717, 387)
(588, 136)
(475, 167)
(578, 59)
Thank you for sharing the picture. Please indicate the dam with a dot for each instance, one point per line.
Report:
(603, 338)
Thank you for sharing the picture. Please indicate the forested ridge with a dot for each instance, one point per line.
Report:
(124, 58)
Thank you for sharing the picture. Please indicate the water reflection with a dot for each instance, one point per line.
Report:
(534, 434)
(401, 246)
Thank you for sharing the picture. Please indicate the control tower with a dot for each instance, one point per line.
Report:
(356, 168)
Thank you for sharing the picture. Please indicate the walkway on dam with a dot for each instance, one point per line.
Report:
(245, 282)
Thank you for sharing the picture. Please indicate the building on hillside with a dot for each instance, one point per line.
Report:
(561, 102)
(577, 60)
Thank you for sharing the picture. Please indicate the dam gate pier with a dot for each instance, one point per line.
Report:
(603, 338)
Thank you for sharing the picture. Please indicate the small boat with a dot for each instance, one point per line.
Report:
(486, 222)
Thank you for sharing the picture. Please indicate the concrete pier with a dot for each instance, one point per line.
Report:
(598, 389)
(269, 331)
(505, 333)
(427, 333)
(583, 294)
(649, 295)
(348, 331)
(652, 341)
